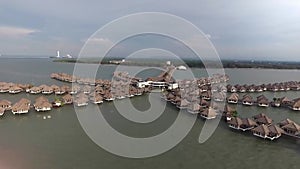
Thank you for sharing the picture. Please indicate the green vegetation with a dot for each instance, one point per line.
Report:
(188, 62)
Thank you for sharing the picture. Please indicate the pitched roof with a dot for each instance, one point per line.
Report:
(275, 129)
(236, 121)
(292, 126)
(263, 129)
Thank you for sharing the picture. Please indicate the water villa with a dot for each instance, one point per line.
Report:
(67, 99)
(5, 104)
(233, 98)
(270, 132)
(46, 89)
(241, 124)
(21, 107)
(262, 119)
(262, 101)
(209, 114)
(42, 104)
(15, 89)
(247, 100)
(35, 90)
(198, 96)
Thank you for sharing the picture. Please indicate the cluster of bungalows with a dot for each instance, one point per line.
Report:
(121, 86)
(195, 97)
(191, 102)
(263, 101)
(248, 100)
(260, 125)
(274, 87)
(45, 89)
(13, 88)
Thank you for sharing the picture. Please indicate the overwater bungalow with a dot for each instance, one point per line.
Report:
(176, 99)
(21, 106)
(60, 91)
(47, 89)
(235, 123)
(170, 96)
(55, 87)
(270, 132)
(240, 88)
(219, 96)
(108, 96)
(4, 87)
(194, 108)
(81, 101)
(204, 103)
(292, 129)
(75, 89)
(251, 88)
(67, 99)
(42, 104)
(273, 87)
(228, 111)
(139, 91)
(15, 89)
(259, 88)
(262, 119)
(285, 122)
(262, 101)
(233, 98)
(206, 95)
(97, 99)
(5, 104)
(247, 100)
(247, 124)
(20, 109)
(35, 90)
(231, 88)
(87, 89)
(295, 105)
(275, 132)
(241, 124)
(285, 102)
(209, 113)
(182, 104)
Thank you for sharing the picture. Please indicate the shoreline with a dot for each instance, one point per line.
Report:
(226, 64)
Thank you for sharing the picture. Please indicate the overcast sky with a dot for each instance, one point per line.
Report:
(256, 29)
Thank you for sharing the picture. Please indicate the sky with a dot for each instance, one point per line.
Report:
(259, 30)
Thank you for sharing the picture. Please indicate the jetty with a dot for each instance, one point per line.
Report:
(198, 96)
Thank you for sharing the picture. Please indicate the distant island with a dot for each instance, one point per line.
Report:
(195, 63)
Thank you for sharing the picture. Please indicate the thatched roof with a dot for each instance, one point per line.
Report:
(249, 122)
(233, 96)
(292, 126)
(210, 112)
(263, 129)
(236, 121)
(285, 122)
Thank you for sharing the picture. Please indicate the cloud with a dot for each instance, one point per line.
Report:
(15, 32)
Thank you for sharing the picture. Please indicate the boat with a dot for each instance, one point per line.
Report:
(181, 67)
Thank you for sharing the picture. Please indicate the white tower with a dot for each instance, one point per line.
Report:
(58, 54)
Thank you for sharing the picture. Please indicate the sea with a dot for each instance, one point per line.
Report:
(56, 139)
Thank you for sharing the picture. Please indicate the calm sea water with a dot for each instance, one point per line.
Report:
(29, 142)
